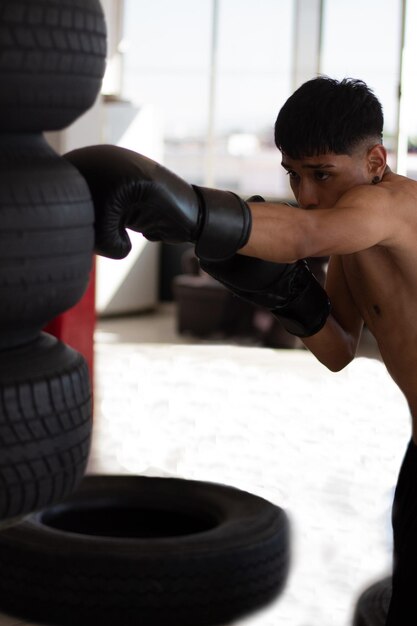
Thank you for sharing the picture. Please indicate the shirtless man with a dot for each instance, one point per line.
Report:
(351, 207)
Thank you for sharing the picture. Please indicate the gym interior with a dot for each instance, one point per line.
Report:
(188, 382)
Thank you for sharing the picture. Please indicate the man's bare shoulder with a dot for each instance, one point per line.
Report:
(394, 200)
(391, 185)
(398, 183)
(400, 194)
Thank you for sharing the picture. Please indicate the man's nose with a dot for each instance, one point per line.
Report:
(307, 196)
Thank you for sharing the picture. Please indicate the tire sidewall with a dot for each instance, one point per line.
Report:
(240, 516)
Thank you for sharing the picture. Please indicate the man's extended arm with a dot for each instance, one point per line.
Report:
(132, 191)
(362, 218)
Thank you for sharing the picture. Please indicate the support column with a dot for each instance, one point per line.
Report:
(210, 138)
(308, 20)
(404, 65)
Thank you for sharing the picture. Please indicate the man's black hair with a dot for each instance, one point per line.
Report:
(325, 115)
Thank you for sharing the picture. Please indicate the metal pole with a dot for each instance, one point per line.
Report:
(210, 139)
(307, 45)
(401, 135)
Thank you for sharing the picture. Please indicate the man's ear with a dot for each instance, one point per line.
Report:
(377, 160)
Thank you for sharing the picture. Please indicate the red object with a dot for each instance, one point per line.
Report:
(75, 327)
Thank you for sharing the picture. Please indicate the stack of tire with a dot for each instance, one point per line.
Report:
(107, 550)
(52, 60)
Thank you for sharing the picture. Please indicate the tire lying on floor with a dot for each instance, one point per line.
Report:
(145, 551)
(45, 425)
(372, 606)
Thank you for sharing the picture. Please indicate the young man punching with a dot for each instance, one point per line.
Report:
(351, 207)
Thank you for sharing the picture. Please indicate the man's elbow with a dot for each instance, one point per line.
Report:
(334, 359)
(339, 362)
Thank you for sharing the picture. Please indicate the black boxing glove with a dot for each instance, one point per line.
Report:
(131, 191)
(289, 290)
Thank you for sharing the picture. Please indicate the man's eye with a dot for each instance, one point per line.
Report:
(292, 174)
(322, 175)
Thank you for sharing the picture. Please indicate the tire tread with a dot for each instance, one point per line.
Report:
(45, 433)
(51, 63)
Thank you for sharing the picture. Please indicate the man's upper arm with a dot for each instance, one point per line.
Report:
(344, 309)
(336, 343)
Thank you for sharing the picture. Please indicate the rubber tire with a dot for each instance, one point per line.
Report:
(182, 552)
(46, 236)
(45, 425)
(372, 606)
(52, 61)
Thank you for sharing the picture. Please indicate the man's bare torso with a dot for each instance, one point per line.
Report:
(383, 283)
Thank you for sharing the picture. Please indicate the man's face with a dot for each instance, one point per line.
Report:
(319, 181)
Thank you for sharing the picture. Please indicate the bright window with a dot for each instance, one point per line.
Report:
(168, 51)
(362, 40)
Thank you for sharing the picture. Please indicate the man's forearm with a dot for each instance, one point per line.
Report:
(279, 233)
(332, 345)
